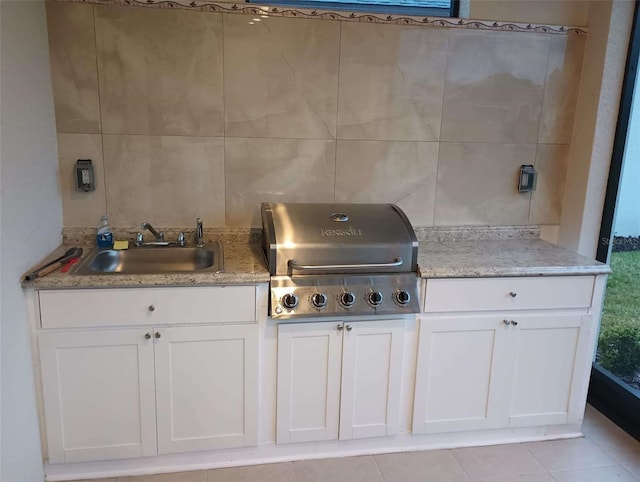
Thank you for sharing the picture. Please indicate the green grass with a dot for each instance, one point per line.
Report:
(622, 301)
(619, 344)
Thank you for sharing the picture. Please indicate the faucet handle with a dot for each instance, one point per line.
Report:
(139, 239)
(181, 240)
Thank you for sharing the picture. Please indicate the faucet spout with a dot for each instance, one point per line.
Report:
(159, 235)
(199, 233)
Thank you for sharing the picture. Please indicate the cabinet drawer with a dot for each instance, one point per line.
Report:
(146, 306)
(488, 294)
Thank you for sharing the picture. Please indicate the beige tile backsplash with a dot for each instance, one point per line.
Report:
(391, 82)
(546, 200)
(403, 173)
(160, 71)
(272, 170)
(281, 78)
(73, 69)
(477, 183)
(494, 87)
(561, 89)
(189, 114)
(168, 180)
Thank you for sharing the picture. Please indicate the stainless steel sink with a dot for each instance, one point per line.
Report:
(153, 260)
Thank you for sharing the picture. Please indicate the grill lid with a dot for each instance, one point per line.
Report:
(337, 238)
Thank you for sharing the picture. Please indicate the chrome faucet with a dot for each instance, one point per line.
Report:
(159, 235)
(199, 233)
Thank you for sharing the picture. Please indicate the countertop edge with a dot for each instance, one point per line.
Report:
(537, 271)
(244, 265)
(247, 266)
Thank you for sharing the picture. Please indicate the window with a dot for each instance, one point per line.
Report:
(431, 8)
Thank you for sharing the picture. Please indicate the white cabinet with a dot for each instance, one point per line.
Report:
(206, 387)
(99, 394)
(487, 368)
(550, 358)
(462, 374)
(338, 380)
(138, 392)
(308, 396)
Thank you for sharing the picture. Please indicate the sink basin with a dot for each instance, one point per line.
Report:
(153, 260)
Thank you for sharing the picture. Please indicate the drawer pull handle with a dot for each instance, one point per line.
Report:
(151, 308)
(349, 327)
(514, 323)
(340, 327)
(506, 322)
(147, 336)
(158, 335)
(513, 294)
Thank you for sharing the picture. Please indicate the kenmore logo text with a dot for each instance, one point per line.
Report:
(343, 232)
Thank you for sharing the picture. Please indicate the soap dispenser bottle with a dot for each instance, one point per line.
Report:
(104, 236)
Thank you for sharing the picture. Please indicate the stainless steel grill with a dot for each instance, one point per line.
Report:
(340, 259)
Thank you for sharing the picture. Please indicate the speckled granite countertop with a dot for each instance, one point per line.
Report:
(501, 257)
(445, 252)
(243, 264)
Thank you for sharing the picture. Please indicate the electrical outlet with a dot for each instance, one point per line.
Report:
(84, 175)
(527, 179)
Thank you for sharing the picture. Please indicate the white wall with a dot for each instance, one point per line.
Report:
(628, 207)
(30, 216)
(595, 123)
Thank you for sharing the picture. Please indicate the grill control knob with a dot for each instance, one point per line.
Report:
(290, 300)
(402, 297)
(374, 298)
(319, 300)
(347, 299)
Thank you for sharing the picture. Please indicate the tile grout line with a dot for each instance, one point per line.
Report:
(295, 472)
(102, 149)
(450, 452)
(617, 462)
(544, 92)
(546, 471)
(375, 461)
(617, 467)
(544, 95)
(439, 140)
(224, 129)
(613, 455)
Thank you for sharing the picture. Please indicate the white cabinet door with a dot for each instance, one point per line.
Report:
(371, 377)
(462, 376)
(308, 392)
(550, 357)
(206, 387)
(99, 395)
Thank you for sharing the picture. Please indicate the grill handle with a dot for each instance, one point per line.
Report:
(337, 267)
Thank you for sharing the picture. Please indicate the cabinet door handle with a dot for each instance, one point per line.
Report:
(158, 335)
(513, 294)
(349, 327)
(514, 323)
(151, 308)
(147, 336)
(506, 322)
(340, 327)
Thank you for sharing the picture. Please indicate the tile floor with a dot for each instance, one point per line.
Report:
(605, 454)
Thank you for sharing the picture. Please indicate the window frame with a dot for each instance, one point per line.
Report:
(372, 8)
(616, 400)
